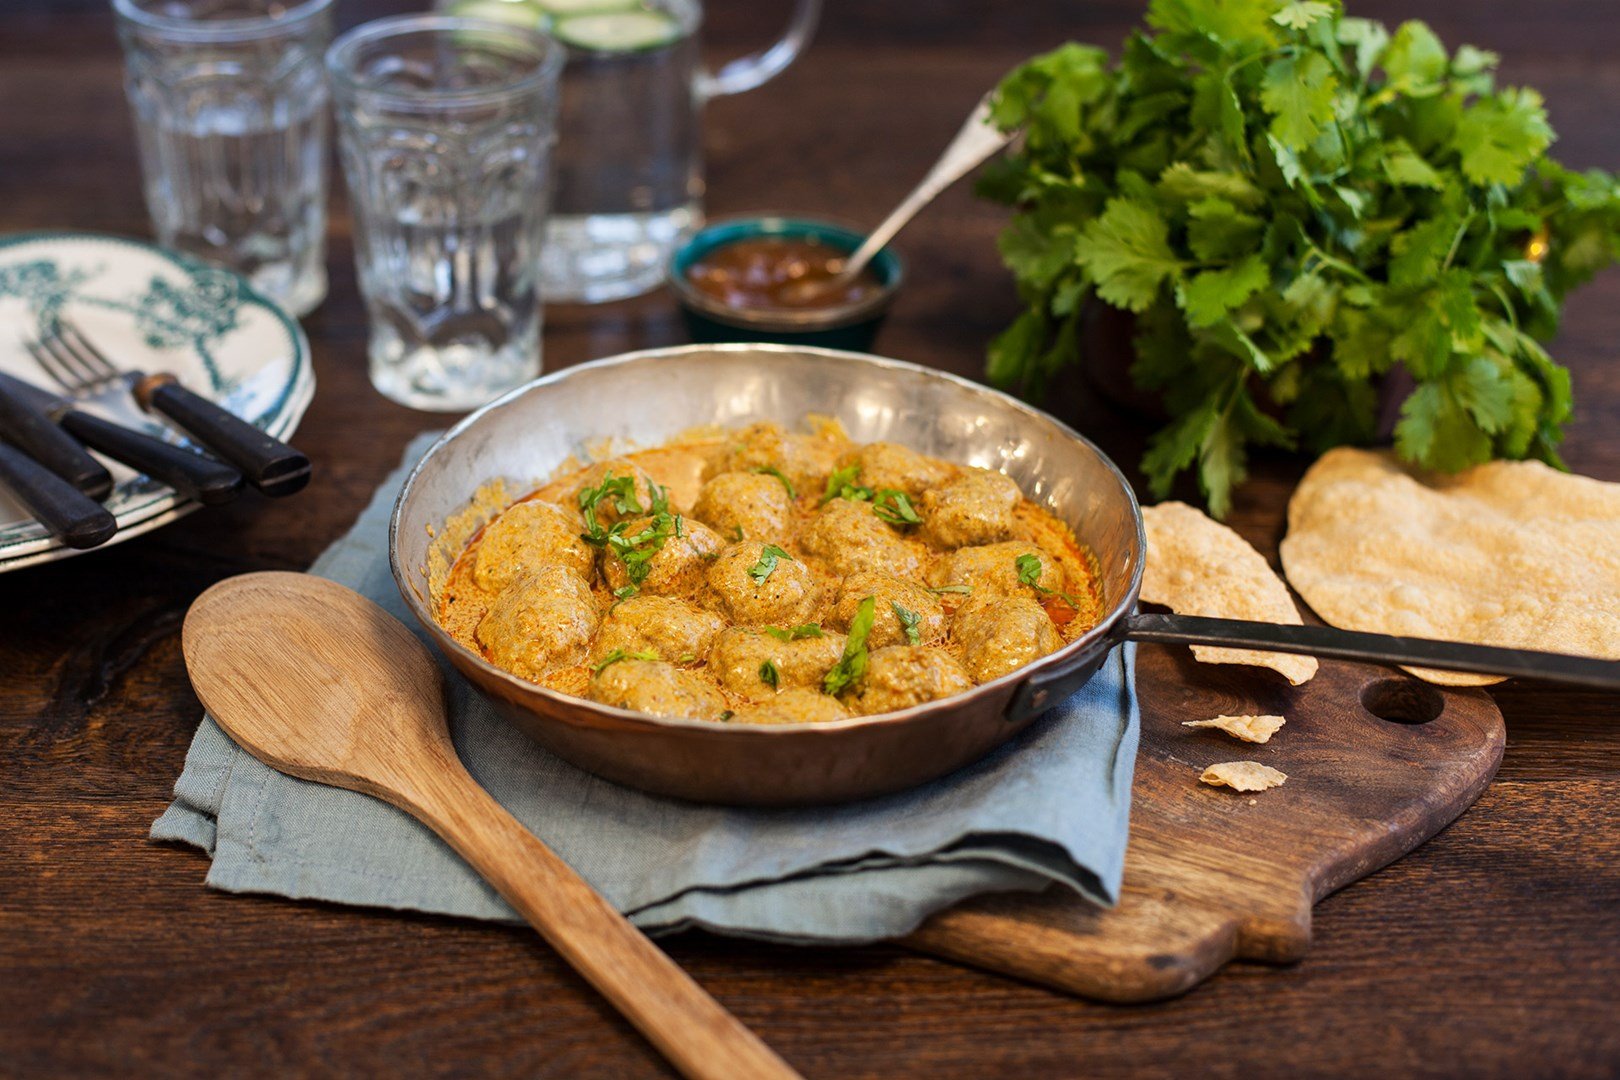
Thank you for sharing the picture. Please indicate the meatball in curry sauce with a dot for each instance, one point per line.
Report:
(768, 576)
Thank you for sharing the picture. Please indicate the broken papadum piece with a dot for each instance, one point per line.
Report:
(1255, 729)
(1243, 776)
(1197, 566)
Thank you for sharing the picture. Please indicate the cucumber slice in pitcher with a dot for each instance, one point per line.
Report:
(563, 8)
(617, 31)
(520, 13)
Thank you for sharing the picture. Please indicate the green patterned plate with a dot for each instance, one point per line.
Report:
(154, 310)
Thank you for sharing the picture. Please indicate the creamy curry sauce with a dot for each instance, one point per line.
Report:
(768, 576)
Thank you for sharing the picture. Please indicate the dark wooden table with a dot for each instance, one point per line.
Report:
(1493, 950)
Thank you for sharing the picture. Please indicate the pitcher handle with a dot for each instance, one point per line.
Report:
(759, 68)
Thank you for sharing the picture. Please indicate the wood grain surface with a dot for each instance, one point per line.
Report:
(1377, 762)
(1493, 950)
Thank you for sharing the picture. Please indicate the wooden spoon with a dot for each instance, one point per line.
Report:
(321, 683)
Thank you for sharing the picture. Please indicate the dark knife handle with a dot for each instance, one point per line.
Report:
(268, 463)
(37, 435)
(192, 475)
(70, 515)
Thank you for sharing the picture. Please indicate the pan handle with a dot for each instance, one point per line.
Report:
(1327, 641)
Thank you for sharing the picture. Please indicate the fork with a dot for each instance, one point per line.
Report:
(84, 371)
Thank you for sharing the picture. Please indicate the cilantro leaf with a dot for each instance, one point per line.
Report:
(807, 630)
(851, 666)
(841, 485)
(772, 470)
(1298, 91)
(1415, 61)
(770, 674)
(910, 622)
(621, 654)
(1299, 14)
(1403, 166)
(1208, 296)
(894, 507)
(1127, 250)
(769, 556)
(1499, 137)
(1218, 230)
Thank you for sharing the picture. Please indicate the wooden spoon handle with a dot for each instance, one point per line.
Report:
(695, 1032)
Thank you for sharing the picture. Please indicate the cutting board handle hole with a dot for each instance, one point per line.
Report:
(1402, 701)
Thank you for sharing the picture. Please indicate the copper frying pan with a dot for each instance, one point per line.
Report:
(649, 397)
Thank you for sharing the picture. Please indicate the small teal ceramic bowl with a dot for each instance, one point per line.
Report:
(850, 326)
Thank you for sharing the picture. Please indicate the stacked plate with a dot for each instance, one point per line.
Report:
(153, 310)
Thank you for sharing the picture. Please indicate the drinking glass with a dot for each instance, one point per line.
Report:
(230, 113)
(629, 178)
(446, 127)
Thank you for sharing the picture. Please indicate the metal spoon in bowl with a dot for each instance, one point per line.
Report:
(319, 682)
(977, 141)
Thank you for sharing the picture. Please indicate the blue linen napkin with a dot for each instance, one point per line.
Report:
(1050, 806)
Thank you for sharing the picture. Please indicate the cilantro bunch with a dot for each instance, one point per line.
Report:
(1292, 202)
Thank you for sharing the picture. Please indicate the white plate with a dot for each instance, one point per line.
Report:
(157, 311)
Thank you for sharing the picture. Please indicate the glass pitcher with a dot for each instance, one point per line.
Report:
(628, 184)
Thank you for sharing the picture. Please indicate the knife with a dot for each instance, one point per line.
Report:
(31, 431)
(193, 475)
(66, 512)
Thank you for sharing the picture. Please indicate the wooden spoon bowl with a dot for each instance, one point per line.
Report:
(317, 681)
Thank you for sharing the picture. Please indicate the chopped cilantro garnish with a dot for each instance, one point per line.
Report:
(621, 654)
(619, 492)
(961, 590)
(772, 470)
(842, 485)
(770, 675)
(636, 552)
(768, 557)
(727, 715)
(1029, 573)
(894, 507)
(737, 533)
(852, 665)
(910, 622)
(808, 630)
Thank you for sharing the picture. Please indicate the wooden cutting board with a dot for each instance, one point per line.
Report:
(1212, 875)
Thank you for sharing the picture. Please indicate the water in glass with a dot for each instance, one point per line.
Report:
(446, 128)
(230, 103)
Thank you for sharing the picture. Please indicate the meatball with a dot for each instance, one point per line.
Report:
(994, 570)
(788, 593)
(680, 559)
(850, 538)
(740, 653)
(658, 689)
(539, 623)
(800, 705)
(901, 676)
(890, 465)
(1000, 636)
(806, 460)
(975, 508)
(527, 536)
(889, 591)
(740, 505)
(616, 505)
(672, 629)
